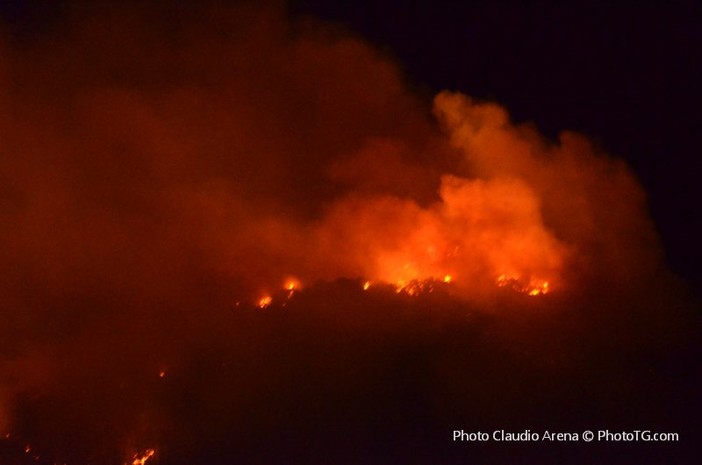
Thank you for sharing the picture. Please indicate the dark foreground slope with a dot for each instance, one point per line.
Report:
(335, 374)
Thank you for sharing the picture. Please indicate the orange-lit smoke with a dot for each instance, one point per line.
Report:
(478, 231)
(272, 150)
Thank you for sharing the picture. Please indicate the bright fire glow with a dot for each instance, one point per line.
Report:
(264, 302)
(293, 284)
(141, 460)
(478, 230)
(416, 287)
(530, 286)
(413, 287)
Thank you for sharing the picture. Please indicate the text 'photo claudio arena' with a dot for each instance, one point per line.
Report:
(555, 436)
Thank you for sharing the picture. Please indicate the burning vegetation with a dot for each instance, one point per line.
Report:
(141, 459)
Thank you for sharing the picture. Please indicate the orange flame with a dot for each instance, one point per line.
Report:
(528, 286)
(416, 287)
(293, 284)
(141, 460)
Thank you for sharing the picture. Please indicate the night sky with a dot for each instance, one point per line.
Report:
(325, 232)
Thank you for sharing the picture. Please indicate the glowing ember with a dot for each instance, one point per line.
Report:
(366, 285)
(448, 278)
(264, 302)
(141, 460)
(162, 374)
(528, 286)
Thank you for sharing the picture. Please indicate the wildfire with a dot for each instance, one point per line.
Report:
(417, 286)
(290, 287)
(141, 460)
(292, 284)
(414, 287)
(528, 286)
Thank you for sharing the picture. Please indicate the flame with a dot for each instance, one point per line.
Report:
(162, 374)
(518, 283)
(529, 286)
(416, 287)
(141, 460)
(293, 284)
(290, 286)
(413, 287)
